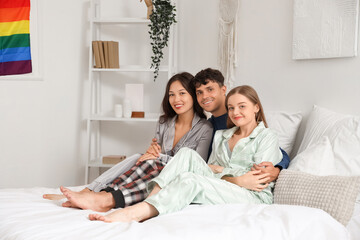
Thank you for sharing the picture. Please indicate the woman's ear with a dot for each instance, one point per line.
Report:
(257, 109)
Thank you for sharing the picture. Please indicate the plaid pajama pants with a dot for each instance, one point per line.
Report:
(132, 183)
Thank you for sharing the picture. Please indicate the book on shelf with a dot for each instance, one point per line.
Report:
(113, 54)
(96, 51)
(106, 54)
(102, 56)
(116, 55)
(113, 159)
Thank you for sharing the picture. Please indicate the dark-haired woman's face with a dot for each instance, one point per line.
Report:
(179, 99)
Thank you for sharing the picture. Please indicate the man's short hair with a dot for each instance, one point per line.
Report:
(204, 76)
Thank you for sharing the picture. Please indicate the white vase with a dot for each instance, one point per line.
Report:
(127, 108)
(118, 110)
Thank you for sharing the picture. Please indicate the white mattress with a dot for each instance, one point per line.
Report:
(25, 215)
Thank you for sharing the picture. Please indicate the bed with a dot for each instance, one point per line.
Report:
(25, 215)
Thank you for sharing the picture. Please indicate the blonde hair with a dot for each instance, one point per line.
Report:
(252, 95)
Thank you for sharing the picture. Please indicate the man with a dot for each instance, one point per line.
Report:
(211, 94)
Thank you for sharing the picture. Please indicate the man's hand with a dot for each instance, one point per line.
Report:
(267, 167)
(216, 168)
(252, 180)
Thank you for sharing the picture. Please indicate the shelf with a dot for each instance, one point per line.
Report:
(130, 68)
(116, 20)
(149, 117)
(96, 163)
(104, 27)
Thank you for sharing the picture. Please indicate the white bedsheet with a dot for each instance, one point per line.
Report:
(354, 225)
(25, 215)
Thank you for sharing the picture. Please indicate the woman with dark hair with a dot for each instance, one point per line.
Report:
(183, 124)
(168, 110)
(188, 179)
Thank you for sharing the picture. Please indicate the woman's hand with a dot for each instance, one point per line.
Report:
(216, 168)
(268, 167)
(252, 180)
(152, 152)
(154, 148)
(144, 157)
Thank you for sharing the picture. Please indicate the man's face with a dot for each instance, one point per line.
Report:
(211, 97)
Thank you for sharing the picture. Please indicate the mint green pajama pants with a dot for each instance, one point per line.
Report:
(188, 179)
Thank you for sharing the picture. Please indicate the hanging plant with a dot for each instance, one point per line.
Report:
(161, 19)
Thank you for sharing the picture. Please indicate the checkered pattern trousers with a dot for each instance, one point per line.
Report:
(132, 183)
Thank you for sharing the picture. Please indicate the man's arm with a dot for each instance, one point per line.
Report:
(284, 164)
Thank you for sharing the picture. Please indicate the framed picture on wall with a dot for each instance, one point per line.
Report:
(325, 29)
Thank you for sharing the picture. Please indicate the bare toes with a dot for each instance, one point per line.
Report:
(67, 204)
(96, 217)
(64, 189)
(53, 196)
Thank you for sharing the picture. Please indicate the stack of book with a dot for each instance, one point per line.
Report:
(112, 159)
(106, 54)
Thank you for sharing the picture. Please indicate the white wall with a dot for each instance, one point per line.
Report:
(42, 127)
(41, 124)
(283, 83)
(265, 58)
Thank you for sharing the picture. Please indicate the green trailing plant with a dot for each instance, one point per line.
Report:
(161, 19)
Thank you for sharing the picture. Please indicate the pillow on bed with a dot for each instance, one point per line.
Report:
(343, 141)
(286, 126)
(334, 194)
(317, 159)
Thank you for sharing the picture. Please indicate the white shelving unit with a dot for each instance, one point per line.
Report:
(96, 117)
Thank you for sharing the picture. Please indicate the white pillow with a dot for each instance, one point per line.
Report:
(319, 123)
(286, 126)
(317, 159)
(343, 134)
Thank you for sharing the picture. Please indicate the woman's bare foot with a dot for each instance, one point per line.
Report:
(97, 201)
(138, 212)
(60, 196)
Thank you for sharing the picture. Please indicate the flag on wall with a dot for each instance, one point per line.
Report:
(15, 55)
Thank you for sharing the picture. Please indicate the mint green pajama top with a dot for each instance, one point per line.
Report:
(260, 146)
(188, 179)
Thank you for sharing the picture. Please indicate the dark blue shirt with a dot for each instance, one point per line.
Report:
(219, 123)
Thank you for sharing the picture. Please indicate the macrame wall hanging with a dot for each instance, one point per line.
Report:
(228, 35)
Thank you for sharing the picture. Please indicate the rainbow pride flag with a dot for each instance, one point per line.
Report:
(15, 55)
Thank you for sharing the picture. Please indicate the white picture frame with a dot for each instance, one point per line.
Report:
(325, 28)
